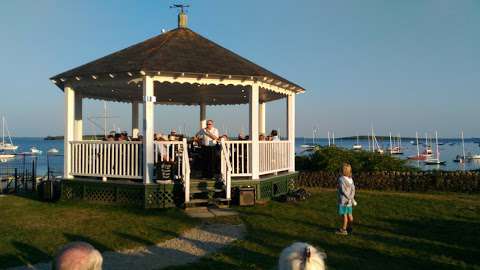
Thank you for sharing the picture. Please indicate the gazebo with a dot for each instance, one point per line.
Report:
(178, 67)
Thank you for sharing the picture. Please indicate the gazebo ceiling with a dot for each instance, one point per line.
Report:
(177, 53)
(173, 93)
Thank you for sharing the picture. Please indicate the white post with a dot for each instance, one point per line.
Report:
(135, 126)
(69, 130)
(254, 161)
(203, 115)
(186, 172)
(261, 118)
(291, 129)
(78, 129)
(148, 123)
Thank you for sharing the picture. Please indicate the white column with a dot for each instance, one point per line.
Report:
(261, 118)
(203, 115)
(78, 133)
(148, 123)
(291, 129)
(69, 130)
(135, 128)
(254, 159)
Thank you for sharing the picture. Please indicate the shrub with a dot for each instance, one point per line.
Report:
(330, 159)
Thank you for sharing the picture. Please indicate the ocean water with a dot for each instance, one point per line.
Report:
(447, 152)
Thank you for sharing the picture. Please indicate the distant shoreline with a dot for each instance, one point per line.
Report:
(85, 137)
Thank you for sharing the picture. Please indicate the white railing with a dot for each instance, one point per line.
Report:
(176, 151)
(274, 156)
(239, 157)
(226, 169)
(107, 159)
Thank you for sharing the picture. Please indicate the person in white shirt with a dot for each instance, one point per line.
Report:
(208, 136)
(274, 135)
(209, 139)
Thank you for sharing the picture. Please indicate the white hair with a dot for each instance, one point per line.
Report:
(301, 256)
(78, 256)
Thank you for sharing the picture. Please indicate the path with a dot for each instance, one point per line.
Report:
(187, 248)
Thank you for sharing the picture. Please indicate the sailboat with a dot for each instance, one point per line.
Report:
(461, 159)
(395, 148)
(357, 146)
(436, 160)
(375, 146)
(312, 146)
(3, 145)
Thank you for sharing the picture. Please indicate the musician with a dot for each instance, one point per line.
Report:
(209, 139)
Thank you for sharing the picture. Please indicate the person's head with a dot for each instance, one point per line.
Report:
(347, 170)
(274, 133)
(261, 137)
(173, 132)
(117, 136)
(209, 124)
(300, 256)
(78, 256)
(110, 138)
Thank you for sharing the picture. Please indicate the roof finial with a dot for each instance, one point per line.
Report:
(182, 17)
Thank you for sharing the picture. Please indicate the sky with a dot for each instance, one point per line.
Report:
(401, 66)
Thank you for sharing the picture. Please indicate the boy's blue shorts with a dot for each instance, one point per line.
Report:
(344, 210)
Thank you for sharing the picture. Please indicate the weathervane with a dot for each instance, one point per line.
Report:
(182, 17)
(180, 6)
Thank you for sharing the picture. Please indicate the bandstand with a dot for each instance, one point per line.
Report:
(178, 67)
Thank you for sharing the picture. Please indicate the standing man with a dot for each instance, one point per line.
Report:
(209, 139)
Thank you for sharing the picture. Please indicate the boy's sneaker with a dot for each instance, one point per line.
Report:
(349, 230)
(341, 232)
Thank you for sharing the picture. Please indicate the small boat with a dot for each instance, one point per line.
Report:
(435, 160)
(4, 146)
(461, 158)
(35, 151)
(473, 156)
(395, 148)
(418, 156)
(375, 146)
(53, 151)
(6, 157)
(412, 143)
(357, 146)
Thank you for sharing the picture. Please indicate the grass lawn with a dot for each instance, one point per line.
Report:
(393, 231)
(32, 231)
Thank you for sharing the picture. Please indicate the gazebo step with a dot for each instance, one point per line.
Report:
(202, 184)
(195, 203)
(205, 190)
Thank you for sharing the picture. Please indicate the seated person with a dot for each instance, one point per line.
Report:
(274, 135)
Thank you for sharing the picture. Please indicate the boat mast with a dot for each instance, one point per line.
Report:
(369, 144)
(3, 129)
(418, 147)
(436, 141)
(357, 139)
(391, 146)
(328, 134)
(333, 136)
(463, 146)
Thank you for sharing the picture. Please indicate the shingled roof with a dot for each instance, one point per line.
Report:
(177, 51)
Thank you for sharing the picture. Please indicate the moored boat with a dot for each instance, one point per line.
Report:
(5, 146)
